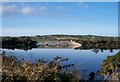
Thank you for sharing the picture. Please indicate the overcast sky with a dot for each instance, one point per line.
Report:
(86, 18)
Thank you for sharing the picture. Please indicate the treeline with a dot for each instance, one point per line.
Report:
(17, 41)
(77, 37)
(87, 41)
(105, 43)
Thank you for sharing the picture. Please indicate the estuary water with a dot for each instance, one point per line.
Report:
(89, 60)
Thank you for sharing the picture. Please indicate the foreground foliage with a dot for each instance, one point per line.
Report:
(111, 66)
(41, 70)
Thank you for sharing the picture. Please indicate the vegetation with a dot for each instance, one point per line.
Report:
(111, 66)
(41, 70)
(99, 42)
(25, 40)
(87, 41)
(18, 42)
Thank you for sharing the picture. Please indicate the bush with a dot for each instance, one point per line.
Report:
(41, 70)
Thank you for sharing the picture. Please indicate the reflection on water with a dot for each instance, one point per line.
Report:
(86, 61)
(13, 47)
(26, 48)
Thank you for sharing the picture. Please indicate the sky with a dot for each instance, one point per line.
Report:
(60, 0)
(46, 18)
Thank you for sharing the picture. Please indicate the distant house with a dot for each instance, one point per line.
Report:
(93, 37)
(40, 44)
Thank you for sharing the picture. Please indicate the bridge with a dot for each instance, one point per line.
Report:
(58, 44)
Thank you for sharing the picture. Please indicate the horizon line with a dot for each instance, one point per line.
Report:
(60, 34)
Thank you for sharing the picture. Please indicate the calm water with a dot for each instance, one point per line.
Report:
(83, 59)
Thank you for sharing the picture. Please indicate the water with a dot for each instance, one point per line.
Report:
(90, 60)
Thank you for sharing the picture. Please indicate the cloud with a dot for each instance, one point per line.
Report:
(33, 10)
(82, 5)
(13, 10)
(26, 10)
(79, 18)
(42, 8)
(9, 10)
(23, 8)
(40, 11)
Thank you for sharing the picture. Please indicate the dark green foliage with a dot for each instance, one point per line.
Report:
(87, 41)
(92, 76)
(110, 65)
(18, 42)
